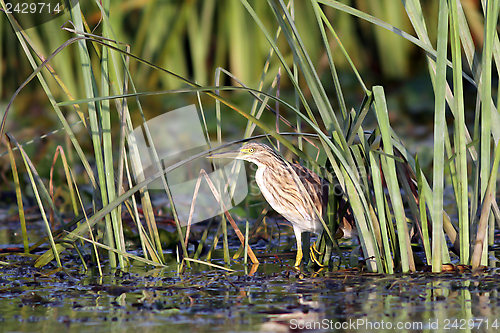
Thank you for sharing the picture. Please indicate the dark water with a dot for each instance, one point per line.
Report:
(276, 298)
(273, 297)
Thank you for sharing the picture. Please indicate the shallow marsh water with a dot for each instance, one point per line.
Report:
(276, 298)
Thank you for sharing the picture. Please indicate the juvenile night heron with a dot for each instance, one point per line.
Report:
(278, 182)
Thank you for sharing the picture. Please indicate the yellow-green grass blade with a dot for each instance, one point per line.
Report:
(144, 194)
(415, 14)
(481, 241)
(360, 116)
(295, 70)
(65, 79)
(476, 188)
(376, 21)
(372, 232)
(19, 198)
(486, 101)
(423, 213)
(209, 264)
(119, 252)
(282, 60)
(343, 49)
(400, 253)
(147, 246)
(361, 154)
(96, 253)
(107, 143)
(496, 41)
(32, 176)
(470, 50)
(439, 139)
(382, 218)
(218, 117)
(366, 237)
(407, 263)
(460, 141)
(338, 88)
(410, 197)
(359, 157)
(115, 81)
(325, 243)
(209, 90)
(96, 130)
(67, 173)
(223, 217)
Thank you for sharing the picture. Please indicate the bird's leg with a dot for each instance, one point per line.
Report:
(298, 237)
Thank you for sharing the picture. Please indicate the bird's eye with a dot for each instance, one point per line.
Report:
(251, 150)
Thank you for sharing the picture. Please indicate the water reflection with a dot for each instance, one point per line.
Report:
(413, 303)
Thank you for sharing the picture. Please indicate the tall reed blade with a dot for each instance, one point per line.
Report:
(490, 33)
(439, 133)
(407, 262)
(462, 194)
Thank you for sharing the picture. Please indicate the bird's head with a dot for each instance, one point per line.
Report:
(258, 153)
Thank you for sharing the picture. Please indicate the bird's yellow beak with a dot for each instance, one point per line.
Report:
(227, 154)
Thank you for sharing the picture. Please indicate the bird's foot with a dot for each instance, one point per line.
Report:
(314, 251)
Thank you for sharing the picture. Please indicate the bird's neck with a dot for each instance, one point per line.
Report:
(259, 174)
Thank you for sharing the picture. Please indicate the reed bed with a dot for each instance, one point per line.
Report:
(100, 77)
